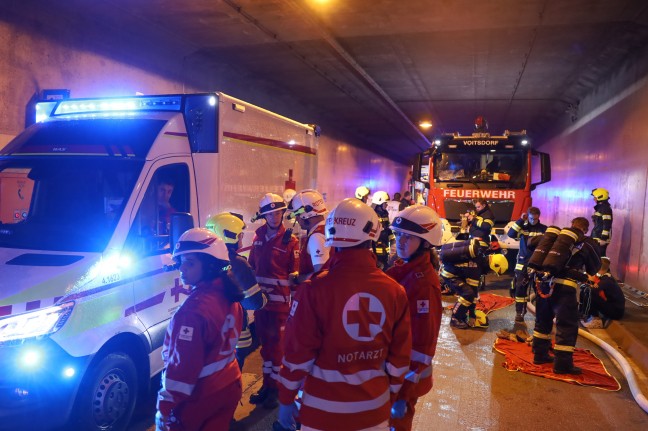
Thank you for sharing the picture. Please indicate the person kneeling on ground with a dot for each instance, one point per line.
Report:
(602, 299)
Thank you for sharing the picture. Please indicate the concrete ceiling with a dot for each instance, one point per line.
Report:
(375, 68)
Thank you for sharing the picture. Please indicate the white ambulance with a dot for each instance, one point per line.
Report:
(91, 196)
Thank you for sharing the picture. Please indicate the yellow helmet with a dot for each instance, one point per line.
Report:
(362, 192)
(498, 263)
(226, 226)
(600, 194)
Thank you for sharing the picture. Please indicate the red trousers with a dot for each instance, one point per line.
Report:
(212, 413)
(270, 326)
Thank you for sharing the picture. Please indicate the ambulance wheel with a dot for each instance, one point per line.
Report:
(107, 395)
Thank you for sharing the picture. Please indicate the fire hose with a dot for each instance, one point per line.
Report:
(621, 363)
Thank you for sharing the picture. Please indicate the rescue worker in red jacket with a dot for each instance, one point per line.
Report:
(201, 382)
(417, 229)
(528, 226)
(602, 218)
(309, 209)
(348, 341)
(229, 227)
(274, 256)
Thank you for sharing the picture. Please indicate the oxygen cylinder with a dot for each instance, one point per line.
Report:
(459, 251)
(561, 250)
(543, 247)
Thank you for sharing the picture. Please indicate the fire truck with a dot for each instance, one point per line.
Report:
(458, 169)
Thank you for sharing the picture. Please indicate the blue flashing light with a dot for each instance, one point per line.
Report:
(31, 358)
(69, 372)
(212, 101)
(44, 110)
(119, 105)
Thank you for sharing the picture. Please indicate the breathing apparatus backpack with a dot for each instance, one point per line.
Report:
(461, 251)
(544, 246)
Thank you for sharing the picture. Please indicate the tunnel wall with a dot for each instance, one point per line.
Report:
(37, 57)
(607, 146)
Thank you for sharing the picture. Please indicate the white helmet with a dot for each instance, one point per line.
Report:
(362, 192)
(201, 240)
(421, 221)
(379, 198)
(288, 194)
(351, 223)
(306, 204)
(271, 203)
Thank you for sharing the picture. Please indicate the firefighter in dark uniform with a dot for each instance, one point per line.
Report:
(229, 227)
(385, 246)
(557, 298)
(462, 275)
(602, 218)
(527, 227)
(482, 221)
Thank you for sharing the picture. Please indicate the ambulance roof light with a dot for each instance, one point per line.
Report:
(148, 103)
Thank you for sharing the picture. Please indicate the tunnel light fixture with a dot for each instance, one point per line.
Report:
(425, 124)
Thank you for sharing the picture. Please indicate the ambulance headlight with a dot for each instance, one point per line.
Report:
(36, 323)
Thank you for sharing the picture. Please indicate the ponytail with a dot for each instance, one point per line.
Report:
(233, 291)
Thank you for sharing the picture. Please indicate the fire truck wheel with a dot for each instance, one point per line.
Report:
(107, 395)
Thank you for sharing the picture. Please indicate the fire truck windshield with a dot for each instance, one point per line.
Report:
(509, 168)
(63, 203)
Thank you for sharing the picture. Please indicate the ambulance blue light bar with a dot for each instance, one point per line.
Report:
(123, 104)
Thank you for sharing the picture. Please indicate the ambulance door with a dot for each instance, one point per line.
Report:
(158, 292)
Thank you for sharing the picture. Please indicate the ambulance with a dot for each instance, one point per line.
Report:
(92, 196)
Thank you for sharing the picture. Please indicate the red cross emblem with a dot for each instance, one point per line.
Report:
(363, 316)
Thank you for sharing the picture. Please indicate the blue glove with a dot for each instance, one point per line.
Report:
(287, 415)
(398, 409)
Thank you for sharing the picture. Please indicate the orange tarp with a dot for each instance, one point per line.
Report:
(490, 302)
(518, 357)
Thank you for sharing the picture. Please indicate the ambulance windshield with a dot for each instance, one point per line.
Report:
(66, 204)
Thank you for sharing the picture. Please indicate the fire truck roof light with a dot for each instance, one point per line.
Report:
(525, 141)
(159, 103)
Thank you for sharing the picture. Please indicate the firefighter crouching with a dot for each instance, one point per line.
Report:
(417, 229)
(229, 227)
(464, 262)
(348, 339)
(526, 228)
(274, 256)
(201, 382)
(556, 288)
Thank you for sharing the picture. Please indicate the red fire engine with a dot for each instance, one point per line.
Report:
(458, 169)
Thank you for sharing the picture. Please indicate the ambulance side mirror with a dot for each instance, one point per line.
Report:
(180, 223)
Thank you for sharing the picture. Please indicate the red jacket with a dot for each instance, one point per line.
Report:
(305, 259)
(423, 289)
(198, 359)
(348, 343)
(272, 261)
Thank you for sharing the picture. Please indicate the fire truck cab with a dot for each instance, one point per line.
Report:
(458, 169)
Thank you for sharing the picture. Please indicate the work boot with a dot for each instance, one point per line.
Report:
(519, 317)
(459, 324)
(542, 358)
(259, 397)
(272, 399)
(564, 364)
